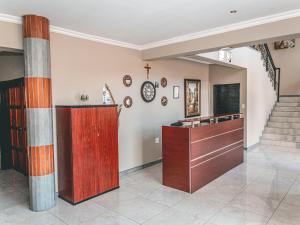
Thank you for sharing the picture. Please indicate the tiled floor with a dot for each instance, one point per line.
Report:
(264, 190)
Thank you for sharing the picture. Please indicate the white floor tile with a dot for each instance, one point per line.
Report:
(266, 185)
(255, 203)
(175, 217)
(236, 216)
(286, 215)
(134, 207)
(204, 208)
(293, 196)
(75, 215)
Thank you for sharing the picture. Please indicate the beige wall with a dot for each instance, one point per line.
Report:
(79, 65)
(11, 67)
(274, 30)
(261, 95)
(288, 61)
(225, 75)
(11, 35)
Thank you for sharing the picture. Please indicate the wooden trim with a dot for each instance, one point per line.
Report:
(35, 27)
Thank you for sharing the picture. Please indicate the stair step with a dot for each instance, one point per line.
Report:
(286, 131)
(281, 137)
(287, 144)
(283, 125)
(281, 119)
(286, 109)
(288, 104)
(286, 114)
(289, 99)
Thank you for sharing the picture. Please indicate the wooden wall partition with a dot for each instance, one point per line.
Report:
(87, 145)
(193, 157)
(39, 112)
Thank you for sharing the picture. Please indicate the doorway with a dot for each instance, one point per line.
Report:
(226, 99)
(13, 144)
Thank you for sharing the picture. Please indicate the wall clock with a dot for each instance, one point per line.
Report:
(148, 91)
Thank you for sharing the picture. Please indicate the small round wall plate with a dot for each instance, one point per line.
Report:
(164, 82)
(148, 91)
(164, 101)
(127, 102)
(127, 80)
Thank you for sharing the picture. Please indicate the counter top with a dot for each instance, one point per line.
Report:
(202, 121)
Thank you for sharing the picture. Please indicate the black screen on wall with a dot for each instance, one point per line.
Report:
(226, 98)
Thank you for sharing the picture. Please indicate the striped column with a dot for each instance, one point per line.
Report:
(39, 112)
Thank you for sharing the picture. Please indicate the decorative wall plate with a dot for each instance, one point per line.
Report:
(148, 91)
(127, 102)
(164, 101)
(127, 80)
(164, 82)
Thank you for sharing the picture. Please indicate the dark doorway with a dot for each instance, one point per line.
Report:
(226, 99)
(13, 143)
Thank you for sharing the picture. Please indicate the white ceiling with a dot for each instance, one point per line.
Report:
(142, 22)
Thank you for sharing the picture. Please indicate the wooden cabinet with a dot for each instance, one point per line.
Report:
(87, 146)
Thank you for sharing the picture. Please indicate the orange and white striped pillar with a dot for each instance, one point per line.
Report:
(38, 94)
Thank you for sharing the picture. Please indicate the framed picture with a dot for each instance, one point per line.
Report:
(192, 97)
(176, 92)
(284, 44)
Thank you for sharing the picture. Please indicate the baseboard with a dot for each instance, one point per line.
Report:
(289, 96)
(251, 147)
(134, 169)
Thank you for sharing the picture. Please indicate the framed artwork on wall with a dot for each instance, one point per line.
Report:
(192, 97)
(284, 44)
(176, 92)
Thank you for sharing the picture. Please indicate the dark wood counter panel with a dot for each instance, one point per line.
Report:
(194, 156)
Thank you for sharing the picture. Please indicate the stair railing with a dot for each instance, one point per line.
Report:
(273, 71)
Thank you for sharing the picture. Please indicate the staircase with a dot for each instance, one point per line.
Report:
(283, 127)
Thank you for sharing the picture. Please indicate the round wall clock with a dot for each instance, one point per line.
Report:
(163, 82)
(148, 91)
(164, 101)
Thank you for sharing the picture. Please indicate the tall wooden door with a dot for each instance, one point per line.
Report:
(18, 127)
(5, 146)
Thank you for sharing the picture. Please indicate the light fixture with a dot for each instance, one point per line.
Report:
(234, 11)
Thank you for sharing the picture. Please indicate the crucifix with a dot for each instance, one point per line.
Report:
(148, 68)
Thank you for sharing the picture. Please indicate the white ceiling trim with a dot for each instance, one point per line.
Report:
(224, 29)
(194, 60)
(187, 37)
(95, 38)
(72, 33)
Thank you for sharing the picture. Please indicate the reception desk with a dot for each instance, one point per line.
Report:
(201, 151)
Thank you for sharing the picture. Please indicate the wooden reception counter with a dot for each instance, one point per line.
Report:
(194, 155)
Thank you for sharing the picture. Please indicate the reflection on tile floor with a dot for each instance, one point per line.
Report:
(263, 190)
